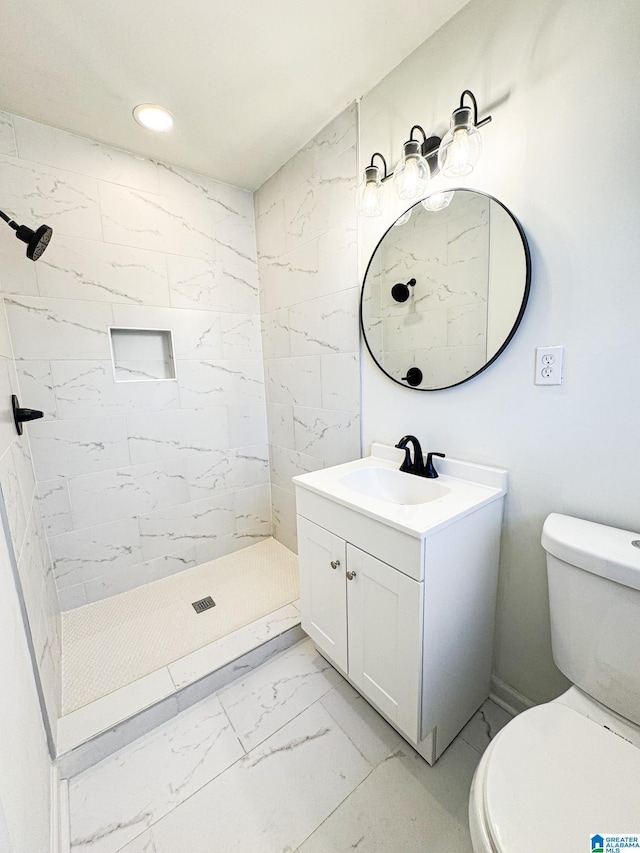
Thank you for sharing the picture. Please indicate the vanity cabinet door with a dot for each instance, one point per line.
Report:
(323, 600)
(385, 638)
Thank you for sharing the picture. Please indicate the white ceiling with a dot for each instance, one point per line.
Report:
(248, 82)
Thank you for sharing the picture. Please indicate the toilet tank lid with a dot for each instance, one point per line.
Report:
(596, 548)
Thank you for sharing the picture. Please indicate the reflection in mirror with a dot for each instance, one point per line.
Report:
(445, 290)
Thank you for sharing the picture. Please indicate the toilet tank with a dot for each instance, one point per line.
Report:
(594, 598)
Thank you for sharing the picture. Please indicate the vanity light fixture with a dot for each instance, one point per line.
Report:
(455, 155)
(462, 144)
(153, 117)
(37, 241)
(437, 201)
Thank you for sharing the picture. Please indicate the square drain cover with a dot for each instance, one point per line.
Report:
(204, 604)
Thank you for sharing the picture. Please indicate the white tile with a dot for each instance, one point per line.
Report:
(288, 278)
(315, 206)
(124, 492)
(338, 259)
(209, 474)
(189, 186)
(72, 597)
(280, 424)
(253, 510)
(40, 143)
(66, 202)
(124, 580)
(84, 555)
(338, 136)
(329, 435)
(270, 235)
(64, 448)
(55, 506)
(78, 726)
(221, 652)
(173, 435)
(85, 389)
(7, 136)
(142, 844)
(276, 342)
(269, 800)
(247, 425)
(241, 336)
(294, 381)
(102, 272)
(176, 226)
(340, 381)
(58, 328)
(213, 285)
(115, 801)
(373, 736)
(404, 805)
(328, 324)
(238, 382)
(274, 694)
(286, 464)
(485, 725)
(196, 334)
(166, 530)
(36, 386)
(467, 325)
(283, 507)
(10, 486)
(16, 276)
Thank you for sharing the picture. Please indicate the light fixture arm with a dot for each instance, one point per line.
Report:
(476, 123)
(387, 174)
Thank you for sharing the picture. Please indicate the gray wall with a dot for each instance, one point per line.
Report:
(138, 479)
(561, 153)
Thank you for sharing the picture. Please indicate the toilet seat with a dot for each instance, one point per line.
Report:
(551, 779)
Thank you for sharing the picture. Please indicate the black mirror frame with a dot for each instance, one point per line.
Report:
(514, 328)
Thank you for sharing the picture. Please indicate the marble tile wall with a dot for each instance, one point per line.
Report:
(306, 230)
(27, 536)
(137, 480)
(442, 327)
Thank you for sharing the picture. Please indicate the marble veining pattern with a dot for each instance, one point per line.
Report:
(331, 775)
(148, 245)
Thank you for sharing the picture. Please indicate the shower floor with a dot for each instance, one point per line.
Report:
(111, 643)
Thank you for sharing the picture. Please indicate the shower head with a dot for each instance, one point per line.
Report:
(37, 241)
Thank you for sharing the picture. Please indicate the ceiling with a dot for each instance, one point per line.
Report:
(249, 83)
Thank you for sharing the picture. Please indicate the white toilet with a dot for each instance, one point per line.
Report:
(563, 772)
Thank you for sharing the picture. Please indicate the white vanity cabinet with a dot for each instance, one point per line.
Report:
(366, 617)
(401, 598)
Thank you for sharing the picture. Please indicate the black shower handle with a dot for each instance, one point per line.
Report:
(21, 415)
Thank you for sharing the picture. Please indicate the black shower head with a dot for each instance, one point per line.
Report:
(37, 241)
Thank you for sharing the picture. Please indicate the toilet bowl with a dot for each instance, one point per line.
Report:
(563, 772)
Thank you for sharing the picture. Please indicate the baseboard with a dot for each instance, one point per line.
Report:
(508, 698)
(60, 838)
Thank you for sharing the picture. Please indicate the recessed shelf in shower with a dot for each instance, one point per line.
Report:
(142, 355)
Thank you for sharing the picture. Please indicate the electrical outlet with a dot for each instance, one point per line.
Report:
(549, 365)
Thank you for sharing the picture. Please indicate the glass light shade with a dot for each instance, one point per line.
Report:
(402, 220)
(461, 145)
(437, 201)
(153, 117)
(369, 198)
(412, 172)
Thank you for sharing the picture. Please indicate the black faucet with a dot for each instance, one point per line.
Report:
(417, 467)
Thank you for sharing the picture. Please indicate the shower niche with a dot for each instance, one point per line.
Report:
(142, 355)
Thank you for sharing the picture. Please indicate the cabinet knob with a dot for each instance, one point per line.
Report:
(351, 575)
(335, 564)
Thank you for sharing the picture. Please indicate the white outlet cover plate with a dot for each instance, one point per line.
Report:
(549, 365)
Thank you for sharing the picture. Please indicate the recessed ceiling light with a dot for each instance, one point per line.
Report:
(153, 117)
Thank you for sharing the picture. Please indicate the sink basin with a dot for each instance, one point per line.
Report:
(393, 486)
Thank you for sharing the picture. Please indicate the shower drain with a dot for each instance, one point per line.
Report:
(204, 604)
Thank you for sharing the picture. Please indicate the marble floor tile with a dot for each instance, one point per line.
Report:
(272, 798)
(485, 725)
(366, 729)
(118, 799)
(275, 693)
(404, 805)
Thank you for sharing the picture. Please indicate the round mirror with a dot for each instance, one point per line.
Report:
(445, 290)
